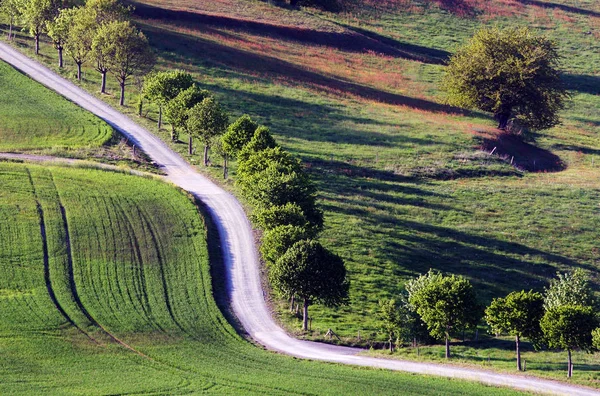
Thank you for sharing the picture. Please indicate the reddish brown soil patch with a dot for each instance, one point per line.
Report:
(522, 155)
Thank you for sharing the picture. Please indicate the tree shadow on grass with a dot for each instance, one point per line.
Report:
(186, 49)
(354, 40)
(582, 83)
(563, 7)
(522, 155)
(496, 267)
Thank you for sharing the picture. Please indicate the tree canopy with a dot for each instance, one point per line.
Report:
(510, 73)
(206, 120)
(278, 215)
(313, 273)
(177, 109)
(162, 87)
(570, 288)
(238, 135)
(519, 315)
(445, 303)
(277, 241)
(569, 327)
(127, 51)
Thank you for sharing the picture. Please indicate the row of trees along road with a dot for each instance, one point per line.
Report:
(271, 179)
(563, 317)
(99, 31)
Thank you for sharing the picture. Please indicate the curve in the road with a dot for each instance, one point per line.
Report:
(240, 256)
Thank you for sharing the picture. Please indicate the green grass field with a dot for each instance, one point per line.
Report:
(406, 182)
(34, 117)
(105, 288)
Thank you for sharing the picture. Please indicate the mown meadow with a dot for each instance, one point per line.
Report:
(105, 288)
(407, 183)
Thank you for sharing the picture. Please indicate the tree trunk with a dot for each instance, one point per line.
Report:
(122, 98)
(60, 57)
(305, 315)
(190, 145)
(103, 83)
(570, 368)
(10, 27)
(225, 167)
(141, 106)
(447, 346)
(292, 300)
(206, 155)
(518, 355)
(78, 71)
(37, 44)
(159, 117)
(503, 120)
(173, 134)
(391, 344)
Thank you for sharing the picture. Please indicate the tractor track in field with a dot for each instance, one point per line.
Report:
(242, 266)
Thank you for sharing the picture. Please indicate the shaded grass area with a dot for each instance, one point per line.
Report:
(105, 288)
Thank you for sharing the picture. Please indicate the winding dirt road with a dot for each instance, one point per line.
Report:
(241, 260)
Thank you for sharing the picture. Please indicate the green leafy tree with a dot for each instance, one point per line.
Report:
(162, 87)
(79, 40)
(205, 121)
(278, 215)
(260, 160)
(569, 327)
(518, 315)
(511, 73)
(277, 241)
(58, 30)
(261, 140)
(313, 273)
(106, 11)
(445, 303)
(12, 10)
(390, 320)
(177, 110)
(126, 50)
(35, 14)
(570, 288)
(238, 135)
(276, 186)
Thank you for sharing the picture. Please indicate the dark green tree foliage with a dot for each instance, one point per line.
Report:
(277, 241)
(161, 87)
(177, 109)
(445, 303)
(518, 315)
(570, 288)
(274, 216)
(106, 11)
(510, 73)
(238, 135)
(569, 327)
(261, 140)
(276, 186)
(260, 160)
(313, 273)
(206, 120)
